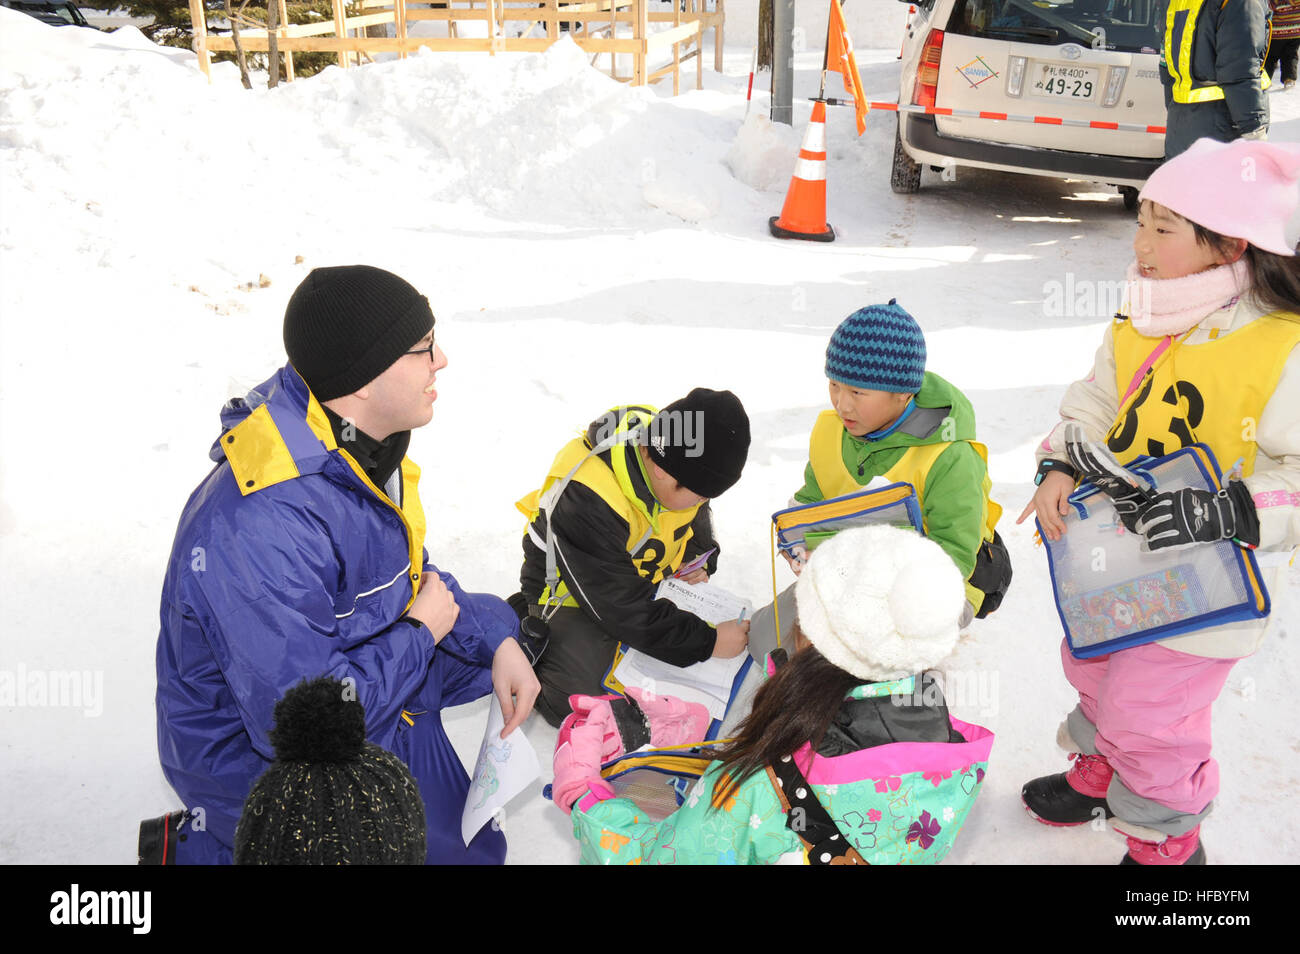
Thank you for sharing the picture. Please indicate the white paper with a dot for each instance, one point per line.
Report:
(505, 767)
(708, 683)
(710, 603)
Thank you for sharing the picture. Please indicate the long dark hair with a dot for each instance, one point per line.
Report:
(793, 707)
(1274, 279)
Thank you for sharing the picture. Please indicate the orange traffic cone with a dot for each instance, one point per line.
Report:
(804, 214)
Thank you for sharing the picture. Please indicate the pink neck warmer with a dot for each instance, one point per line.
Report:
(1170, 306)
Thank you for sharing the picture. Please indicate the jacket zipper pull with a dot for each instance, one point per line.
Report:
(861, 470)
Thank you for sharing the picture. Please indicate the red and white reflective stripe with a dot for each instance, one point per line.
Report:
(1013, 117)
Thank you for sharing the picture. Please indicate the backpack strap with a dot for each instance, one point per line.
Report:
(808, 818)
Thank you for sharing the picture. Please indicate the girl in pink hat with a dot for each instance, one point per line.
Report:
(1206, 351)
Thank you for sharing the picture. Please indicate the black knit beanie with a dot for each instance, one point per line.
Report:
(702, 440)
(345, 325)
(330, 797)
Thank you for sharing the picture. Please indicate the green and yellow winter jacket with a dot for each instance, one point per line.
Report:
(949, 472)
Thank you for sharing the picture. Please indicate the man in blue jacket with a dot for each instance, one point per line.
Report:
(302, 555)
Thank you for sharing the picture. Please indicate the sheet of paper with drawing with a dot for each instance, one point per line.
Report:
(505, 767)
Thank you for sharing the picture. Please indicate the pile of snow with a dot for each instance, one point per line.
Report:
(764, 152)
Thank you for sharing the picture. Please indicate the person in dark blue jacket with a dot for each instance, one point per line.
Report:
(1211, 65)
(301, 554)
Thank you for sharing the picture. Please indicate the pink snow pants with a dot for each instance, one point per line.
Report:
(1151, 707)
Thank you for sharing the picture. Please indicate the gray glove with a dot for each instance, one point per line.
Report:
(1097, 465)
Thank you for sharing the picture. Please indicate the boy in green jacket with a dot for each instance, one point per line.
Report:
(891, 418)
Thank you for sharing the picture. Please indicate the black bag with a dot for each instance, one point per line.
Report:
(992, 575)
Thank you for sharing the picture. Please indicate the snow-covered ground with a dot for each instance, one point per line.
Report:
(583, 244)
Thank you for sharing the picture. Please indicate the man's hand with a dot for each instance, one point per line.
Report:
(1051, 501)
(732, 639)
(434, 606)
(516, 686)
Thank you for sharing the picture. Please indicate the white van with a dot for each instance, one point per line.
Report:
(1089, 60)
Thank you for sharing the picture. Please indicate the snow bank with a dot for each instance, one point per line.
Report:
(764, 152)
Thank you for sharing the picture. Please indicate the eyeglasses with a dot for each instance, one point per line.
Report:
(428, 350)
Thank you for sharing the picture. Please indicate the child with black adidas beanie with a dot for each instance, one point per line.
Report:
(891, 418)
(621, 509)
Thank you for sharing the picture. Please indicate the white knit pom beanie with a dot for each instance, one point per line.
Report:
(880, 602)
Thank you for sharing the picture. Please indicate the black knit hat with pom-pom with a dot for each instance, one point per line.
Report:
(330, 797)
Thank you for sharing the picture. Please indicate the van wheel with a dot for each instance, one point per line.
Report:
(904, 175)
(1130, 195)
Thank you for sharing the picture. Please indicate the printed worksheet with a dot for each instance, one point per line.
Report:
(709, 602)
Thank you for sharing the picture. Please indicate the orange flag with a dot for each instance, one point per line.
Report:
(840, 58)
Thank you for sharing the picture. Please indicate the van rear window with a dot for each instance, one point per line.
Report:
(1124, 25)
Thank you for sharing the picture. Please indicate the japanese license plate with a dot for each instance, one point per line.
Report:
(1057, 81)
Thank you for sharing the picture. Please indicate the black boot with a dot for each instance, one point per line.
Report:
(1073, 797)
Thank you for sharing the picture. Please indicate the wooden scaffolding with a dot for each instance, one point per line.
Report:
(622, 29)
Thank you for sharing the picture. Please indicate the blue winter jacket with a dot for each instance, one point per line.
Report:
(288, 564)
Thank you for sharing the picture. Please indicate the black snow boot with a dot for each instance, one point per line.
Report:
(1073, 797)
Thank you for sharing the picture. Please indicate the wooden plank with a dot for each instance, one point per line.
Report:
(491, 9)
(639, 31)
(340, 30)
(717, 37)
(288, 57)
(677, 51)
(539, 15)
(657, 41)
(374, 44)
(399, 23)
(200, 27)
(323, 27)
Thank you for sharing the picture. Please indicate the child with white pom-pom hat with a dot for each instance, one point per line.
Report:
(849, 755)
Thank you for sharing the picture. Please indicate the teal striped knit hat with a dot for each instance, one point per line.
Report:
(879, 348)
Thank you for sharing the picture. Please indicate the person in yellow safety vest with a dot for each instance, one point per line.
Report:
(621, 509)
(891, 418)
(1206, 351)
(1211, 64)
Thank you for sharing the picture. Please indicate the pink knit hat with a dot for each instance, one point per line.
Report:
(1241, 189)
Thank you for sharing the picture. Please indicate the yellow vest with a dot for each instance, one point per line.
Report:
(1180, 32)
(1210, 393)
(834, 479)
(656, 541)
